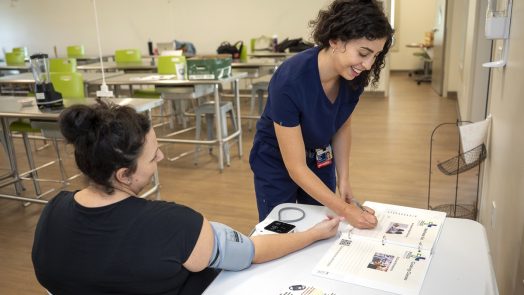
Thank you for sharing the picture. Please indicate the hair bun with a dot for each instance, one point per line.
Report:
(77, 121)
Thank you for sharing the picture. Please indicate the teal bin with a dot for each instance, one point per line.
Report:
(209, 67)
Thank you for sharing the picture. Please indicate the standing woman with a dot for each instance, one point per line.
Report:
(306, 126)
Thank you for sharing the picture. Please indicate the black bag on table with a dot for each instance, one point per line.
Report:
(234, 50)
(294, 45)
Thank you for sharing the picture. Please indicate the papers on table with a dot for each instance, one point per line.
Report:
(153, 78)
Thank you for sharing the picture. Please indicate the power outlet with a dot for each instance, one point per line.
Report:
(493, 213)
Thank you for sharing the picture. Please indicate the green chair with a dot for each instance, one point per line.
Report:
(71, 85)
(62, 65)
(22, 50)
(75, 51)
(14, 59)
(167, 65)
(128, 56)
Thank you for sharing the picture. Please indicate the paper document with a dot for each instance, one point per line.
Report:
(153, 78)
(472, 135)
(393, 257)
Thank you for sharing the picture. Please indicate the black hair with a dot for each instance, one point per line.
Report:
(106, 137)
(347, 20)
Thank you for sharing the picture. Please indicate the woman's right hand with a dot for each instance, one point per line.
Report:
(364, 219)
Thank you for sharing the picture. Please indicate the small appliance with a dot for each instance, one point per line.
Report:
(46, 95)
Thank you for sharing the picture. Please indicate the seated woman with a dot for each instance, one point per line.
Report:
(103, 239)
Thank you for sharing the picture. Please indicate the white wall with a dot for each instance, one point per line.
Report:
(414, 18)
(503, 181)
(40, 25)
(456, 30)
(472, 77)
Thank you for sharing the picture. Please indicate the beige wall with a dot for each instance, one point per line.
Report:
(40, 25)
(456, 30)
(472, 78)
(414, 17)
(503, 181)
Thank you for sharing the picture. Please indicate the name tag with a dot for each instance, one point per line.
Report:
(324, 156)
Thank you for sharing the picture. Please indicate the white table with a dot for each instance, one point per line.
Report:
(277, 56)
(255, 69)
(28, 80)
(146, 65)
(10, 107)
(21, 68)
(197, 88)
(461, 264)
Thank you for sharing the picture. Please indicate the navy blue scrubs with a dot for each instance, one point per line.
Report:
(296, 97)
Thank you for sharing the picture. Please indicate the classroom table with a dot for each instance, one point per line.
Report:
(197, 88)
(86, 59)
(28, 80)
(146, 65)
(461, 264)
(276, 56)
(17, 107)
(20, 68)
(255, 69)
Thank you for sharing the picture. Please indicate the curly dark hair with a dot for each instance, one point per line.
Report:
(106, 137)
(347, 20)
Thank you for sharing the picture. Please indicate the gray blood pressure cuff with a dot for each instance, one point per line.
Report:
(231, 250)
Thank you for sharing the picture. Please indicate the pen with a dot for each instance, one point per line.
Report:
(359, 205)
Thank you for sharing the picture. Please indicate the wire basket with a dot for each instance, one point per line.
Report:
(464, 161)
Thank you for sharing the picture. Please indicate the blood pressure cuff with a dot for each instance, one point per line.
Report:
(231, 250)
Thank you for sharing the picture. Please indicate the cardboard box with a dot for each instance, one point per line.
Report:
(209, 67)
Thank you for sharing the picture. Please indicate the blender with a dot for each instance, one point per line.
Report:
(46, 95)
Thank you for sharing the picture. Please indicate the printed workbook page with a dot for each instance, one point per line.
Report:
(387, 267)
(411, 227)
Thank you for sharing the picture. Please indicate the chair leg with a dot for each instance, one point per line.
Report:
(251, 107)
(63, 174)
(198, 127)
(210, 127)
(235, 126)
(260, 101)
(182, 106)
(31, 162)
(223, 126)
(171, 113)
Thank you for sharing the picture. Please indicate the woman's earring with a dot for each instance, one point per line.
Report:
(333, 50)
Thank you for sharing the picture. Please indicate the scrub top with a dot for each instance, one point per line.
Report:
(296, 97)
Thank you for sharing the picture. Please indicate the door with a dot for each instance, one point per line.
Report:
(439, 46)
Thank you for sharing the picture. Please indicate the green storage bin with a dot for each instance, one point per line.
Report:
(209, 67)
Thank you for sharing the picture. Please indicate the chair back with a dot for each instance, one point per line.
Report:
(128, 56)
(75, 51)
(167, 65)
(14, 58)
(63, 65)
(71, 85)
(22, 50)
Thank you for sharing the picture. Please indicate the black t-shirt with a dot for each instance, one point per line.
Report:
(134, 246)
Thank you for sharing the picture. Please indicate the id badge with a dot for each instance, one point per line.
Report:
(324, 156)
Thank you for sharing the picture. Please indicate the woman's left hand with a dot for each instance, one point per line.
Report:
(346, 193)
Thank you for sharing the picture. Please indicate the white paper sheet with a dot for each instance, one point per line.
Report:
(472, 135)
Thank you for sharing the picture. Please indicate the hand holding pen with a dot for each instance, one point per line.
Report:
(367, 214)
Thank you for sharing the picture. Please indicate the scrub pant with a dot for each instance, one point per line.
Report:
(274, 186)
